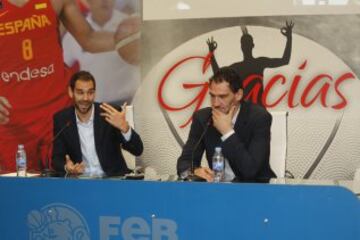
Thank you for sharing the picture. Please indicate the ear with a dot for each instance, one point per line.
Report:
(70, 92)
(239, 95)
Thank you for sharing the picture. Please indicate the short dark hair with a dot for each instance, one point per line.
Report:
(81, 75)
(227, 74)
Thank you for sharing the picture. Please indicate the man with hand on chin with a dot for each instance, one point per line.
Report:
(90, 135)
(240, 128)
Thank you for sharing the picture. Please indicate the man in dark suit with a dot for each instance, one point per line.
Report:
(89, 136)
(241, 128)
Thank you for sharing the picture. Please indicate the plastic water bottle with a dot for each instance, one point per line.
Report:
(218, 162)
(21, 161)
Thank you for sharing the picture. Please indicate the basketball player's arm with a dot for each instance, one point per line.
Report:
(4, 110)
(277, 62)
(76, 24)
(212, 44)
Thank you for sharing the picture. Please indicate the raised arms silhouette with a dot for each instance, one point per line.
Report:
(253, 67)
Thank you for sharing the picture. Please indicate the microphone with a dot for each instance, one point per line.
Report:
(192, 177)
(47, 172)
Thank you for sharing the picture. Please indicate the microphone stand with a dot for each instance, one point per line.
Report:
(47, 172)
(192, 177)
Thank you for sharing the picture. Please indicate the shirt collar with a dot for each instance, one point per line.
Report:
(235, 115)
(91, 119)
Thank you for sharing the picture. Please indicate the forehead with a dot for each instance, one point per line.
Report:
(84, 84)
(219, 88)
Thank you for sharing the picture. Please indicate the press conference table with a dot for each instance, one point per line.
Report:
(33, 207)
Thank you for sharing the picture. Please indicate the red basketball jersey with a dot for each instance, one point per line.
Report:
(32, 73)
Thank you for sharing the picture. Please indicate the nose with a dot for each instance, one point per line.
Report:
(216, 102)
(86, 96)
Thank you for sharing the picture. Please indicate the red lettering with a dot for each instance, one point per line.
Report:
(340, 80)
(269, 86)
(294, 87)
(323, 91)
(254, 92)
(307, 97)
(198, 99)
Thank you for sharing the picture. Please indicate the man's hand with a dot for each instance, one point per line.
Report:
(287, 30)
(205, 172)
(222, 121)
(72, 168)
(211, 44)
(114, 117)
(4, 110)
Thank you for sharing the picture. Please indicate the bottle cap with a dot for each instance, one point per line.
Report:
(218, 149)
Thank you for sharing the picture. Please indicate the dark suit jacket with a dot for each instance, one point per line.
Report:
(247, 150)
(107, 142)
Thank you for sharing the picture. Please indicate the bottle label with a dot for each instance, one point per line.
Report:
(218, 166)
(21, 162)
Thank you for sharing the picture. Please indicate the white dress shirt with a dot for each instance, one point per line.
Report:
(88, 148)
(229, 174)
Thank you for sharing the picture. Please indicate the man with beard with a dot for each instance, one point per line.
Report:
(89, 136)
(240, 128)
(33, 76)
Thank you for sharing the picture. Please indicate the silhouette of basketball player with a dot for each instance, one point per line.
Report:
(252, 68)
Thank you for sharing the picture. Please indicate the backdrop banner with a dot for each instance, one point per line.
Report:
(309, 70)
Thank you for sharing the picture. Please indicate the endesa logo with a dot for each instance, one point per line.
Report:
(27, 74)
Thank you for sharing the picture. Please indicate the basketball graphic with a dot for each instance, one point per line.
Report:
(57, 221)
(317, 88)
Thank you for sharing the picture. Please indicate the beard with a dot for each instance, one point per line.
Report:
(226, 109)
(83, 107)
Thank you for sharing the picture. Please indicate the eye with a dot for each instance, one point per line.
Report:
(223, 96)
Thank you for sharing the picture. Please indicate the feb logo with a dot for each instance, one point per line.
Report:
(57, 221)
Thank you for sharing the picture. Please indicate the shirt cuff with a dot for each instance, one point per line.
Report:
(66, 171)
(127, 135)
(227, 135)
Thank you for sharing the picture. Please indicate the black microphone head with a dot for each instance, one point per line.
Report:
(68, 123)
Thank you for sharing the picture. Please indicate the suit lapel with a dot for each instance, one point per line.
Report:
(98, 127)
(74, 134)
(243, 116)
